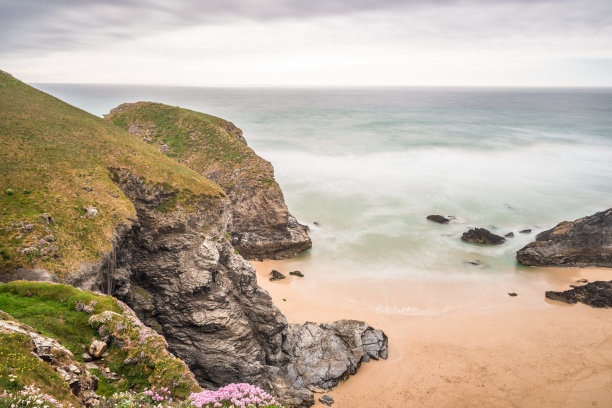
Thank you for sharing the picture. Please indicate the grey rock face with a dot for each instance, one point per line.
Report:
(319, 357)
(584, 242)
(482, 236)
(594, 294)
(194, 289)
(201, 295)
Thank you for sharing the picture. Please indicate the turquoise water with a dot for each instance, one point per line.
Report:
(370, 164)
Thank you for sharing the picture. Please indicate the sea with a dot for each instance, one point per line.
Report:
(363, 167)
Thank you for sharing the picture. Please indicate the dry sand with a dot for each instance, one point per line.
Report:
(522, 351)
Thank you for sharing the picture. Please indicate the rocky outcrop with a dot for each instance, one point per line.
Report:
(75, 375)
(192, 287)
(586, 241)
(319, 357)
(595, 294)
(260, 224)
(482, 236)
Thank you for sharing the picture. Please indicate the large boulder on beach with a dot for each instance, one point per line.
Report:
(482, 236)
(586, 241)
(319, 357)
(595, 294)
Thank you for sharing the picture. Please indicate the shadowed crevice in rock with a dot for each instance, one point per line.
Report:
(586, 241)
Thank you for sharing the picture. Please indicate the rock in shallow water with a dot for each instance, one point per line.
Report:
(276, 275)
(296, 273)
(584, 242)
(595, 294)
(327, 400)
(482, 236)
(440, 219)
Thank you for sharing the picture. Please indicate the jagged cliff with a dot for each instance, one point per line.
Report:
(120, 216)
(260, 224)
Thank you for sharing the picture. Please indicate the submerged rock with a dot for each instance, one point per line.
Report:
(525, 231)
(440, 219)
(595, 294)
(482, 236)
(584, 242)
(509, 235)
(476, 263)
(296, 273)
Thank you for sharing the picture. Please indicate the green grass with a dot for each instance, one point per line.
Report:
(141, 361)
(205, 143)
(57, 159)
(19, 368)
(50, 309)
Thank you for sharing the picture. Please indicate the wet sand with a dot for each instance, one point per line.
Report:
(492, 351)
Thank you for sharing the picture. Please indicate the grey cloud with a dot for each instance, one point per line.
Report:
(38, 26)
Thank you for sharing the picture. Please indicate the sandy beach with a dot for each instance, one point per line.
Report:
(494, 351)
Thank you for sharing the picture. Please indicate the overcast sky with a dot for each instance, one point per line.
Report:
(309, 42)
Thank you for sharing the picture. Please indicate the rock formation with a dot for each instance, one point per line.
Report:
(75, 375)
(595, 294)
(482, 236)
(260, 224)
(204, 298)
(319, 357)
(586, 241)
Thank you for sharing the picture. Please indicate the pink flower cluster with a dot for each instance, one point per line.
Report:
(158, 394)
(233, 395)
(30, 397)
(82, 307)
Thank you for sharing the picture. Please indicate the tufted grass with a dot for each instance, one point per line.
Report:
(58, 159)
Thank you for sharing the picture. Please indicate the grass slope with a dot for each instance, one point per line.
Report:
(141, 361)
(210, 145)
(57, 159)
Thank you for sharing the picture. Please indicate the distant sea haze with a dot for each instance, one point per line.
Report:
(368, 165)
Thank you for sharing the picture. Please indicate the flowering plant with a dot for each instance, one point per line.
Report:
(30, 397)
(150, 397)
(233, 395)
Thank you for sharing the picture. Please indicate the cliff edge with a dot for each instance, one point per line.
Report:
(260, 225)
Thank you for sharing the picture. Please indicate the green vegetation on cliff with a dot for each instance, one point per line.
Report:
(56, 162)
(137, 356)
(211, 146)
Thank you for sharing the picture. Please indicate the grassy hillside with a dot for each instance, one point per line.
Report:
(209, 145)
(137, 355)
(56, 159)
